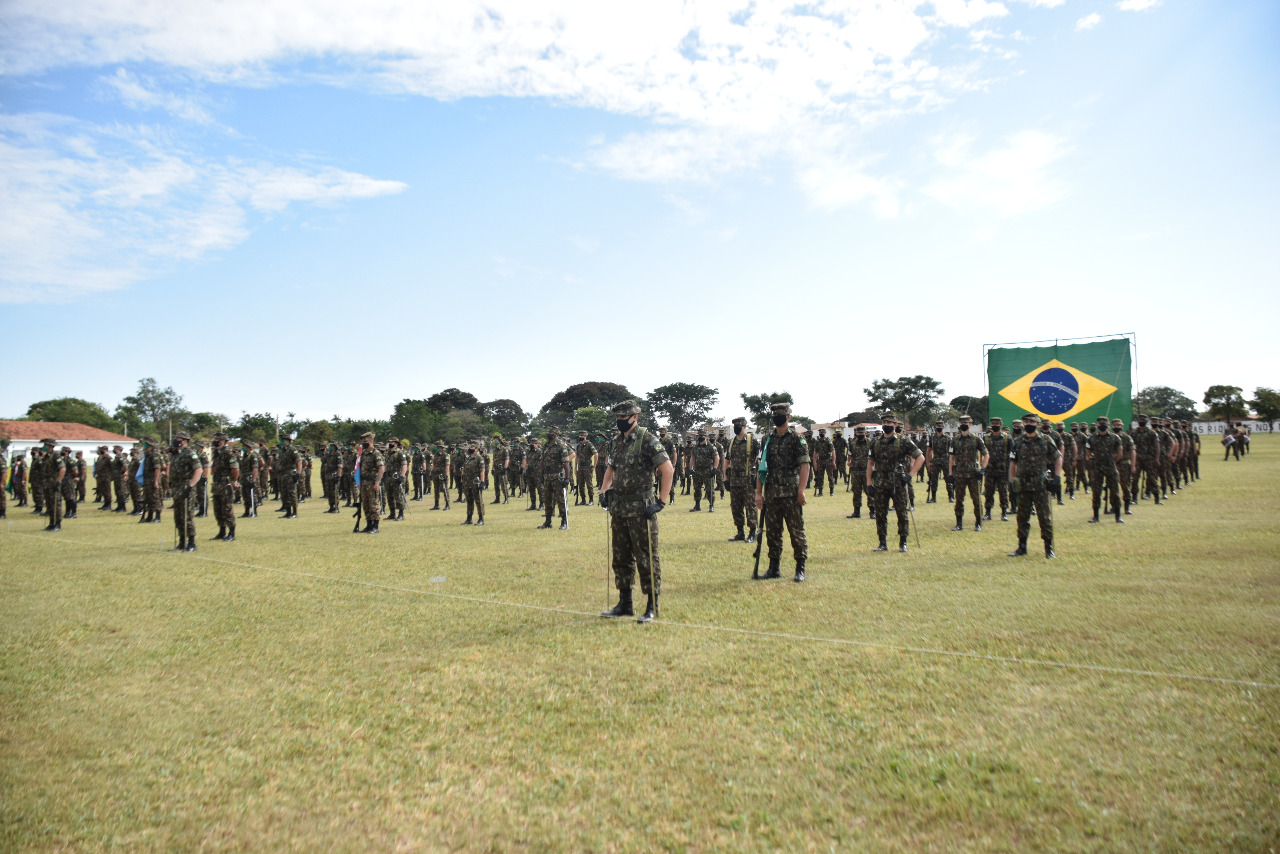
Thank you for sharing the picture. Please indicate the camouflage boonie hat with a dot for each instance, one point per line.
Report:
(117, 447)
(1116, 422)
(48, 441)
(624, 409)
(739, 422)
(997, 421)
(366, 437)
(582, 434)
(553, 430)
(964, 419)
(66, 449)
(1030, 419)
(780, 409)
(1017, 422)
(1102, 419)
(219, 435)
(182, 436)
(102, 448)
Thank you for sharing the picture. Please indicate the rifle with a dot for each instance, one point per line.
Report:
(764, 506)
(357, 515)
(905, 480)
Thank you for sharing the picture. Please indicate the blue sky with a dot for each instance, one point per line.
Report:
(325, 207)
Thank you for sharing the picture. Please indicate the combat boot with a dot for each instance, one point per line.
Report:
(856, 514)
(374, 529)
(468, 521)
(230, 537)
(1049, 553)
(545, 525)
(182, 544)
(751, 537)
(711, 508)
(774, 571)
(902, 545)
(1004, 517)
(799, 572)
(564, 524)
(738, 537)
(222, 533)
(191, 545)
(1127, 510)
(959, 526)
(651, 609)
(624, 607)
(1094, 519)
(1119, 521)
(697, 508)
(1020, 550)
(882, 547)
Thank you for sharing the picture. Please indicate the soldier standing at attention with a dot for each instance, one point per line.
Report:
(82, 478)
(1146, 445)
(248, 479)
(967, 464)
(498, 470)
(1080, 471)
(101, 478)
(780, 491)
(332, 471)
(119, 471)
(70, 483)
(888, 476)
(202, 488)
(226, 481)
(372, 468)
(532, 469)
(554, 471)
(473, 480)
(440, 475)
(398, 466)
(741, 466)
(602, 458)
(586, 454)
(706, 461)
(290, 476)
(1032, 458)
(627, 493)
(822, 457)
(999, 447)
(841, 447)
(20, 480)
(515, 467)
(1068, 448)
(722, 447)
(1126, 464)
(135, 488)
(859, 449)
(686, 465)
(185, 473)
(416, 470)
(1168, 453)
(937, 458)
(669, 448)
(36, 476)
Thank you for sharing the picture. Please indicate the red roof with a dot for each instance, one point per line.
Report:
(62, 431)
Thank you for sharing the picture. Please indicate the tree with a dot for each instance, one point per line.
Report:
(75, 410)
(450, 399)
(914, 398)
(505, 413)
(804, 420)
(758, 407)
(460, 424)
(154, 404)
(682, 404)
(1266, 402)
(593, 419)
(864, 416)
(316, 434)
(415, 420)
(975, 407)
(201, 423)
(1225, 402)
(258, 427)
(559, 409)
(1165, 402)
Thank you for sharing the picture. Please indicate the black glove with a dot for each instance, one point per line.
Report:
(950, 480)
(186, 493)
(564, 480)
(604, 501)
(654, 509)
(982, 473)
(296, 477)
(871, 490)
(1055, 482)
(906, 479)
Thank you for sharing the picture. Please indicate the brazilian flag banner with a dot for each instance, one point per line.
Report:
(1063, 382)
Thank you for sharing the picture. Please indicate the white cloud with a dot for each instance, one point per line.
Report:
(1047, 4)
(1137, 5)
(85, 208)
(141, 93)
(1014, 179)
(1088, 22)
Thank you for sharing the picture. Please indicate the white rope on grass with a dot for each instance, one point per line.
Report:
(914, 650)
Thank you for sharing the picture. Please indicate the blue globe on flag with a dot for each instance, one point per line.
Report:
(1054, 391)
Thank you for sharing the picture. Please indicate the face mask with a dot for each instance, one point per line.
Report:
(938, 430)
(624, 424)
(1102, 428)
(737, 429)
(1030, 428)
(897, 429)
(779, 420)
(1017, 431)
(963, 428)
(366, 446)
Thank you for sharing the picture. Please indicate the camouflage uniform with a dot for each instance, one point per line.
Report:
(440, 475)
(515, 467)
(226, 474)
(533, 473)
(822, 455)
(202, 488)
(602, 458)
(669, 448)
(288, 477)
(553, 466)
(783, 458)
(888, 452)
(332, 472)
(1168, 450)
(20, 474)
(183, 465)
(999, 446)
(967, 453)
(1080, 472)
(102, 472)
(36, 477)
(859, 451)
(135, 488)
(633, 524)
(706, 461)
(743, 463)
(585, 470)
(937, 454)
(1124, 465)
(152, 468)
(372, 469)
(472, 477)
(841, 447)
(1068, 449)
(70, 484)
(249, 463)
(119, 471)
(722, 447)
(393, 480)
(498, 472)
(1035, 456)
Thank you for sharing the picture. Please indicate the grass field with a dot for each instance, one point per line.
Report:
(448, 687)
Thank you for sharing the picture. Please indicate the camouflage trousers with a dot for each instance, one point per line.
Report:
(1148, 475)
(184, 512)
(1038, 500)
(331, 490)
(858, 485)
(53, 502)
(1126, 482)
(288, 492)
(586, 490)
(69, 492)
(553, 497)
(938, 470)
(823, 475)
(441, 487)
(475, 502)
(224, 505)
(742, 500)
(152, 498)
(20, 490)
(395, 494)
(887, 488)
(635, 547)
(121, 490)
(967, 484)
(102, 490)
(1167, 481)
(370, 501)
(202, 496)
(704, 480)
(500, 492)
(531, 489)
(600, 467)
(997, 482)
(779, 510)
(136, 496)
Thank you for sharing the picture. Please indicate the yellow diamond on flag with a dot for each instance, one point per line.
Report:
(1056, 391)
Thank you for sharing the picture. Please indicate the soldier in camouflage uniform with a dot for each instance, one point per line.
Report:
(554, 473)
(152, 471)
(999, 446)
(1146, 445)
(185, 473)
(36, 476)
(456, 460)
(119, 472)
(53, 470)
(740, 468)
(372, 468)
(1168, 452)
(686, 465)
(841, 447)
(331, 473)
(859, 449)
(515, 466)
(706, 461)
(70, 484)
(937, 461)
(135, 487)
(440, 475)
(669, 448)
(226, 481)
(1125, 464)
(627, 493)
(722, 447)
(397, 465)
(290, 475)
(1067, 446)
(1080, 471)
(1031, 460)
(499, 470)
(602, 458)
(892, 461)
(784, 470)
(202, 488)
(82, 478)
(474, 480)
(532, 472)
(101, 478)
(822, 461)
(966, 468)
(249, 463)
(20, 480)
(585, 453)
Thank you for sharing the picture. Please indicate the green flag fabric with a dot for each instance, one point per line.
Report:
(1063, 382)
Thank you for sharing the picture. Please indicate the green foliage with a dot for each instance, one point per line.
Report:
(1266, 402)
(415, 420)
(1165, 402)
(682, 405)
(258, 427)
(862, 416)
(913, 398)
(505, 413)
(74, 410)
(443, 402)
(153, 404)
(1225, 402)
(202, 424)
(316, 434)
(974, 407)
(461, 424)
(757, 406)
(560, 409)
(593, 419)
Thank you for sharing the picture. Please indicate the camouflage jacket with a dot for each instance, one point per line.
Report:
(841, 446)
(1126, 447)
(889, 453)
(668, 446)
(585, 452)
(226, 466)
(439, 462)
(820, 451)
(859, 451)
(706, 456)
(249, 460)
(1000, 447)
(939, 446)
(1103, 447)
(472, 470)
(555, 454)
(744, 456)
(533, 461)
(1067, 446)
(416, 460)
(782, 458)
(370, 461)
(967, 448)
(633, 459)
(182, 466)
(1034, 455)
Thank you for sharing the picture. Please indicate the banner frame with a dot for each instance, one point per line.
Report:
(1085, 339)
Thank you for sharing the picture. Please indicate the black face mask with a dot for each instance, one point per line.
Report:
(1017, 431)
(366, 446)
(897, 430)
(779, 420)
(1102, 428)
(737, 429)
(624, 424)
(963, 428)
(1030, 428)
(938, 430)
